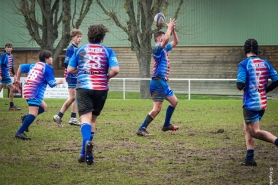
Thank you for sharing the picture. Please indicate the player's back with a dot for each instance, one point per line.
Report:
(258, 71)
(93, 64)
(35, 83)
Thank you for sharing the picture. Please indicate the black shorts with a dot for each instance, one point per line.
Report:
(90, 101)
(252, 116)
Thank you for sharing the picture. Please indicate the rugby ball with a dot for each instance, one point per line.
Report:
(159, 20)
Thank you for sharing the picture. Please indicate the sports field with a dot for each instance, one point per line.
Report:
(207, 149)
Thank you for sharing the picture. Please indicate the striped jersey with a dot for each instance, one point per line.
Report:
(7, 65)
(161, 67)
(39, 76)
(70, 51)
(254, 72)
(93, 62)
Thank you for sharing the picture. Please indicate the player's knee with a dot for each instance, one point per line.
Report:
(175, 104)
(253, 133)
(12, 87)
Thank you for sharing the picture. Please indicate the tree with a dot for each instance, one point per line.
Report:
(44, 18)
(139, 30)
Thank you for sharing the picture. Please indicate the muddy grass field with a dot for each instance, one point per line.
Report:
(207, 149)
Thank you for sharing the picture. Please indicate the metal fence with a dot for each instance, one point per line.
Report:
(186, 86)
(182, 86)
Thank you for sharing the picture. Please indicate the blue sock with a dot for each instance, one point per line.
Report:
(249, 155)
(60, 114)
(92, 136)
(73, 115)
(26, 123)
(11, 104)
(169, 113)
(146, 122)
(41, 110)
(276, 141)
(82, 152)
(86, 135)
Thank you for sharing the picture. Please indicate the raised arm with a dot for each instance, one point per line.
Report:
(170, 27)
(175, 38)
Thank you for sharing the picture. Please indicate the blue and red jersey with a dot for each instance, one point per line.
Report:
(93, 62)
(254, 72)
(161, 67)
(70, 51)
(39, 76)
(7, 66)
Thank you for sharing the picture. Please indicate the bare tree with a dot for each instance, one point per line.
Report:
(139, 30)
(44, 18)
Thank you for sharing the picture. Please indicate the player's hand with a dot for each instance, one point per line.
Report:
(0, 78)
(60, 81)
(171, 24)
(17, 83)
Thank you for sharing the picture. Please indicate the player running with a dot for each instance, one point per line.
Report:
(92, 63)
(40, 75)
(252, 78)
(71, 79)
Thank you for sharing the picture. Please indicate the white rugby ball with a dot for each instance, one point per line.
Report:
(159, 20)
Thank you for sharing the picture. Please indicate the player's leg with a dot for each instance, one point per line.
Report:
(68, 102)
(256, 132)
(173, 100)
(250, 147)
(42, 108)
(33, 112)
(1, 86)
(85, 109)
(157, 95)
(252, 119)
(11, 95)
(73, 120)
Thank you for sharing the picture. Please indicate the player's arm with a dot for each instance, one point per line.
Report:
(72, 70)
(175, 38)
(113, 72)
(241, 77)
(50, 79)
(72, 66)
(14, 75)
(272, 86)
(0, 70)
(170, 27)
(23, 68)
(1, 67)
(113, 65)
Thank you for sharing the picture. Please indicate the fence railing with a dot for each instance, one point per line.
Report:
(187, 86)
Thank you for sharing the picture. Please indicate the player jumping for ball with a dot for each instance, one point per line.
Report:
(159, 88)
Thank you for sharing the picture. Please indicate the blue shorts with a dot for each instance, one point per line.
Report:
(6, 81)
(33, 102)
(72, 82)
(251, 116)
(160, 90)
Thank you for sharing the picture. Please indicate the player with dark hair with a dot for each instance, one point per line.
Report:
(252, 78)
(71, 79)
(40, 75)
(6, 70)
(92, 62)
(159, 88)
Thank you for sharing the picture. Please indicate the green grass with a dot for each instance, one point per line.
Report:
(195, 154)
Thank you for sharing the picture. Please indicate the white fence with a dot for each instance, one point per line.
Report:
(186, 86)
